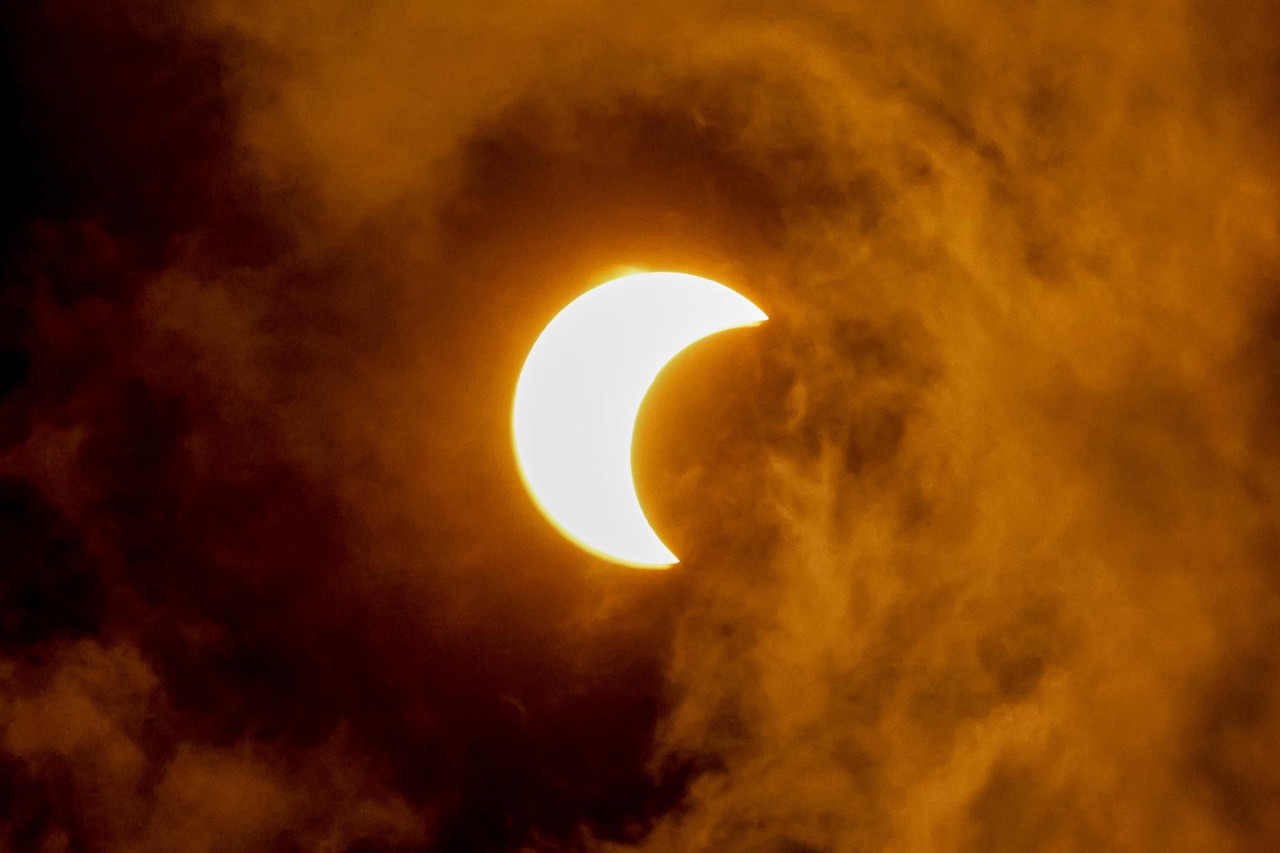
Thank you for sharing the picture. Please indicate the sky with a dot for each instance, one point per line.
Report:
(980, 532)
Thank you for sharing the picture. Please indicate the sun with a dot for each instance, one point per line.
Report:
(581, 389)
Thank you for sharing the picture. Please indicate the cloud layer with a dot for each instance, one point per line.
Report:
(979, 530)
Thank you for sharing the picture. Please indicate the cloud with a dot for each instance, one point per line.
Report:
(89, 737)
(979, 528)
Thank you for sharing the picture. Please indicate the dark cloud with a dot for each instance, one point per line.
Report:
(979, 530)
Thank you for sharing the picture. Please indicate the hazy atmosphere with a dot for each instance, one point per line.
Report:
(980, 532)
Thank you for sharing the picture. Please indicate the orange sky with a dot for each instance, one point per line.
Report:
(979, 533)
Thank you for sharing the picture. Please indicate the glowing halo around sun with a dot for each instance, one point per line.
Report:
(579, 393)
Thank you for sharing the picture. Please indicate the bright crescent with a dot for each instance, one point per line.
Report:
(580, 391)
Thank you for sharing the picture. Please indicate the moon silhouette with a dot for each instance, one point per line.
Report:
(579, 393)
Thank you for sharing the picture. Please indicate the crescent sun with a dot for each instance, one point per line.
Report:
(579, 393)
